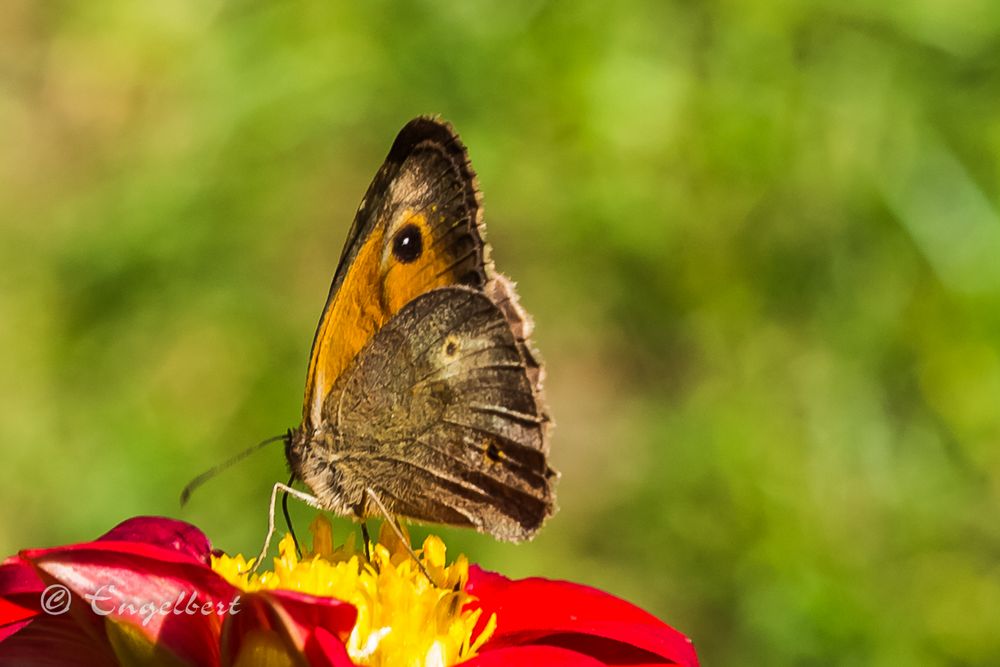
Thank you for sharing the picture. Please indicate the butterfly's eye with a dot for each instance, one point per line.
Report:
(407, 244)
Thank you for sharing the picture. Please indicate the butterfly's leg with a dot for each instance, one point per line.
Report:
(304, 497)
(288, 519)
(399, 532)
(366, 539)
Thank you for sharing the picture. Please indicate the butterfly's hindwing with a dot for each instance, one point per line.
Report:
(438, 415)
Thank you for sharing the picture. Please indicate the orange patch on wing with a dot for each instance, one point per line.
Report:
(376, 287)
(351, 319)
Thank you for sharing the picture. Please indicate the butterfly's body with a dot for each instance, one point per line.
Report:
(423, 390)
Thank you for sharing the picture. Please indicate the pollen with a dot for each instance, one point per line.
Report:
(403, 618)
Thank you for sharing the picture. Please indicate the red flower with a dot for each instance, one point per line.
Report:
(545, 622)
(146, 593)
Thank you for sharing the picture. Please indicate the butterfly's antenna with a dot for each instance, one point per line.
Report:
(215, 470)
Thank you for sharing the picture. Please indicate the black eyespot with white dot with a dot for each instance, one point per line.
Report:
(407, 244)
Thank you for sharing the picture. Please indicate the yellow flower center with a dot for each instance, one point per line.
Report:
(403, 619)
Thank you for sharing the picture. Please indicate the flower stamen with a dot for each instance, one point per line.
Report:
(411, 604)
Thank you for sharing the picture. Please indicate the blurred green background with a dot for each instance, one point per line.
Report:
(760, 241)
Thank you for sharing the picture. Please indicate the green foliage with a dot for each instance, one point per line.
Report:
(759, 239)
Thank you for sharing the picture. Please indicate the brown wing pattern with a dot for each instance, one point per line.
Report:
(440, 417)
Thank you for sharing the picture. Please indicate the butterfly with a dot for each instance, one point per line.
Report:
(423, 395)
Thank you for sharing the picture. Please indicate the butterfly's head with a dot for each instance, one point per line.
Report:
(313, 461)
(296, 445)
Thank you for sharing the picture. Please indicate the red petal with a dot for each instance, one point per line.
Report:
(21, 584)
(18, 577)
(12, 627)
(161, 591)
(14, 613)
(572, 616)
(162, 532)
(532, 656)
(13, 617)
(55, 641)
(309, 625)
(328, 649)
(162, 564)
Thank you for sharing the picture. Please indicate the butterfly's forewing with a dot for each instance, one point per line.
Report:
(418, 228)
(441, 417)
